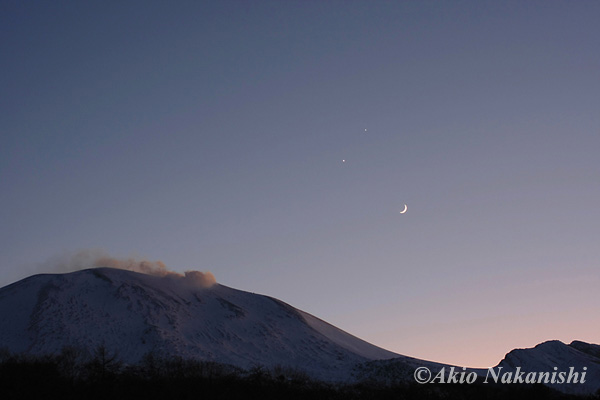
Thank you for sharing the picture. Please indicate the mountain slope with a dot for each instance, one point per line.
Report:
(134, 314)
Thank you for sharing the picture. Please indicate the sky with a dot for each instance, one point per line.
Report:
(274, 143)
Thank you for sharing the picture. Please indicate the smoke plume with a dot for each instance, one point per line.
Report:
(97, 259)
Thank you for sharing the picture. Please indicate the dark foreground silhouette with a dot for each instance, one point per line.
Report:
(75, 375)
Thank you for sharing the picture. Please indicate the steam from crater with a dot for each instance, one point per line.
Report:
(85, 259)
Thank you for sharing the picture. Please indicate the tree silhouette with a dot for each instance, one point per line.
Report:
(104, 365)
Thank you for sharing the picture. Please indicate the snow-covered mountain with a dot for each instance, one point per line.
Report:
(133, 314)
(580, 356)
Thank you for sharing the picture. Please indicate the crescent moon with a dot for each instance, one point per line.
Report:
(405, 208)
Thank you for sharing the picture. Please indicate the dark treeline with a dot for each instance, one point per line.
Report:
(74, 374)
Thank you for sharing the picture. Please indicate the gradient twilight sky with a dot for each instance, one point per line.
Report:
(210, 135)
